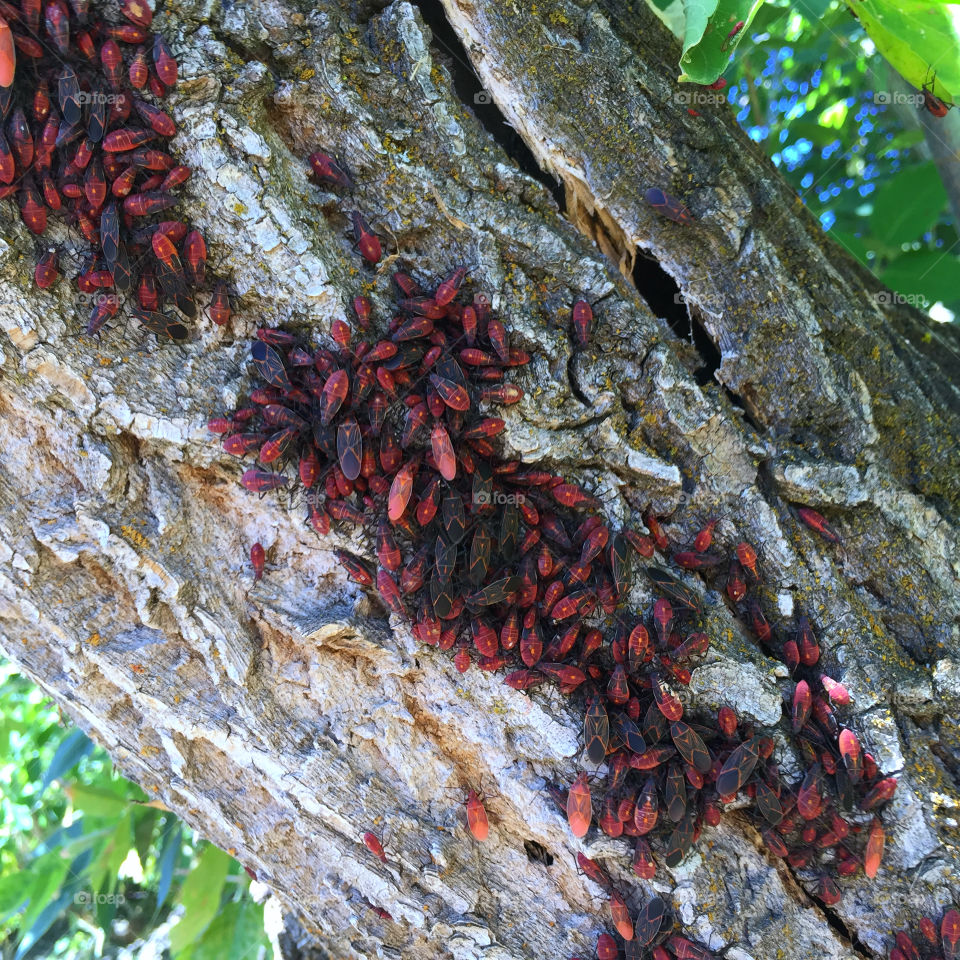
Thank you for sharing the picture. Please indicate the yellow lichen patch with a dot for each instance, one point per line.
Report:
(94, 639)
(135, 537)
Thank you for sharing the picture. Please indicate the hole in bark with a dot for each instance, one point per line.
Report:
(467, 86)
(748, 414)
(662, 294)
(537, 852)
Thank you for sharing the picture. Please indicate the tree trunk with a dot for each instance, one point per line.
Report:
(739, 364)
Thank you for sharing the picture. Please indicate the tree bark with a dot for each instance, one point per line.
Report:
(284, 718)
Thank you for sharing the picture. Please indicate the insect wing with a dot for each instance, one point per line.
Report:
(269, 365)
(874, 852)
(649, 920)
(768, 804)
(480, 551)
(690, 746)
(629, 734)
(596, 730)
(681, 840)
(162, 326)
(349, 447)
(454, 518)
(738, 767)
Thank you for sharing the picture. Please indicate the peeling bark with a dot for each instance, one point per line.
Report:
(283, 719)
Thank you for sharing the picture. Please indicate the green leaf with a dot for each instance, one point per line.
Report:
(200, 895)
(97, 802)
(103, 873)
(917, 37)
(671, 13)
(119, 846)
(908, 204)
(47, 873)
(73, 748)
(236, 932)
(170, 845)
(43, 922)
(924, 273)
(144, 825)
(812, 9)
(707, 44)
(14, 890)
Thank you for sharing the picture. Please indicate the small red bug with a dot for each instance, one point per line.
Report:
(748, 559)
(643, 865)
(621, 916)
(401, 490)
(372, 843)
(667, 206)
(933, 104)
(46, 270)
(443, 452)
(837, 692)
(219, 308)
(139, 70)
(8, 55)
(163, 62)
(874, 851)
(607, 947)
(449, 288)
(257, 559)
(477, 816)
(325, 168)
(579, 811)
(736, 29)
(950, 932)
(817, 522)
(582, 322)
(802, 701)
(367, 242)
(703, 540)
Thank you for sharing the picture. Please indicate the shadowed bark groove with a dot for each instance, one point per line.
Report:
(285, 718)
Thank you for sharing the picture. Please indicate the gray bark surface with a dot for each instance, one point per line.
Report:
(285, 718)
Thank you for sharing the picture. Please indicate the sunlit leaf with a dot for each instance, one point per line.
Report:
(96, 801)
(907, 205)
(200, 896)
(710, 35)
(73, 748)
(919, 38)
(236, 931)
(928, 274)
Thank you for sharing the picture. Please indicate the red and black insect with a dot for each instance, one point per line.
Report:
(367, 241)
(327, 170)
(667, 206)
(932, 103)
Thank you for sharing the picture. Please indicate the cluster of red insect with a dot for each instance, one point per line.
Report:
(651, 930)
(932, 944)
(371, 429)
(70, 87)
(805, 823)
(508, 564)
